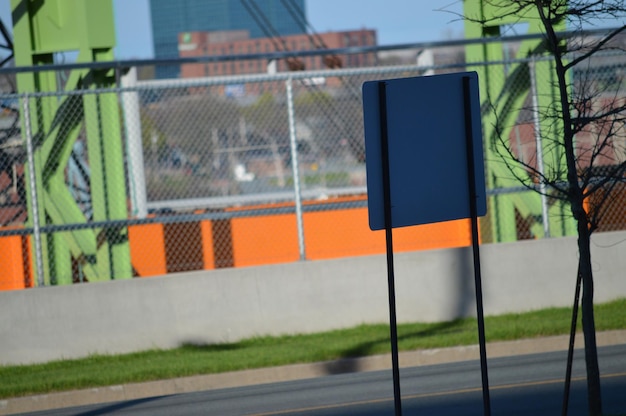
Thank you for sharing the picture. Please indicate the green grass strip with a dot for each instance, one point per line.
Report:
(104, 370)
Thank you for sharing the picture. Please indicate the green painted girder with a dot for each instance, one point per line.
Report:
(41, 29)
(504, 89)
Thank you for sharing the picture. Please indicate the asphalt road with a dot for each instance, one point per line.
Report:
(519, 385)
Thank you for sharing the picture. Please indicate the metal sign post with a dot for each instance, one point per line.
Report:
(425, 127)
(393, 327)
(471, 181)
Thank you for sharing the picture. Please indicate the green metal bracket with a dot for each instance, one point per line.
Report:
(42, 29)
(504, 89)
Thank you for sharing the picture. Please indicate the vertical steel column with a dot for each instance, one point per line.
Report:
(484, 19)
(42, 29)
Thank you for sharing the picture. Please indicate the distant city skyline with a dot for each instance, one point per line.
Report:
(199, 43)
(259, 18)
(396, 21)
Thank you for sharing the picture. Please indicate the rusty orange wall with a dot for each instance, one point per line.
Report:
(147, 249)
(333, 234)
(14, 263)
(264, 240)
(257, 240)
(206, 228)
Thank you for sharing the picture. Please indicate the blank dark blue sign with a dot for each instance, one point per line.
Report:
(427, 144)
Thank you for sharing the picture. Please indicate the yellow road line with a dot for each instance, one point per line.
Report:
(422, 395)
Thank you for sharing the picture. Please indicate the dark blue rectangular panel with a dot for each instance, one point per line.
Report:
(427, 144)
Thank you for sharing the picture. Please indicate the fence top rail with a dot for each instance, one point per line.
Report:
(125, 64)
(178, 211)
(226, 80)
(281, 76)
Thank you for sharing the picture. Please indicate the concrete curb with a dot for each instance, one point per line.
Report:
(135, 391)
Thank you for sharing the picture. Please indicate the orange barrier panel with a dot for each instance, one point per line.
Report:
(208, 249)
(147, 249)
(340, 233)
(331, 234)
(157, 249)
(447, 234)
(343, 233)
(15, 263)
(264, 240)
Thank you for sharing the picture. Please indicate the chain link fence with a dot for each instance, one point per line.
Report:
(165, 176)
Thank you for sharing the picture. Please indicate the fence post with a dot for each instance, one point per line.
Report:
(295, 169)
(134, 146)
(33, 191)
(540, 168)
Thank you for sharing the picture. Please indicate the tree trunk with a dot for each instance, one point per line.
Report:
(588, 320)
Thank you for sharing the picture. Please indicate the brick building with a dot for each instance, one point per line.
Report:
(238, 42)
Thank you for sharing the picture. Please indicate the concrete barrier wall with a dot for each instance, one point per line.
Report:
(43, 324)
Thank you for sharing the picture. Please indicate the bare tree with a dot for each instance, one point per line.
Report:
(586, 143)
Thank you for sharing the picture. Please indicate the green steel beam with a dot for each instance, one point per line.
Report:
(504, 89)
(42, 29)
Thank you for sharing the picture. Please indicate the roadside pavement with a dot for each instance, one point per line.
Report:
(134, 391)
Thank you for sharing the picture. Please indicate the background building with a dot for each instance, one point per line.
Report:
(169, 18)
(240, 43)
